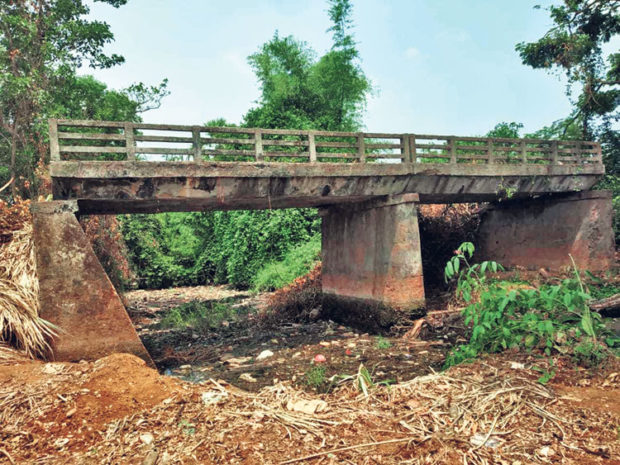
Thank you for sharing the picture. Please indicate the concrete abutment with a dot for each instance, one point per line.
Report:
(543, 232)
(372, 264)
(75, 292)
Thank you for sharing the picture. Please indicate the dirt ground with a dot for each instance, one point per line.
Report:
(119, 411)
(226, 405)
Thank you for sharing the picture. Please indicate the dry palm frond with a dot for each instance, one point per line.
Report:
(20, 324)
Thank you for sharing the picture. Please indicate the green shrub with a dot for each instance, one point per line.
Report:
(201, 316)
(554, 319)
(176, 249)
(296, 262)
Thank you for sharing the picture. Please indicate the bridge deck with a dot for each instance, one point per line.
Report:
(241, 168)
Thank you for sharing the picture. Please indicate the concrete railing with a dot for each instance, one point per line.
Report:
(97, 140)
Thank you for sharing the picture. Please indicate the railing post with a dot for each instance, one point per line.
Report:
(311, 146)
(54, 145)
(361, 147)
(554, 152)
(523, 152)
(405, 150)
(491, 155)
(412, 149)
(197, 146)
(130, 142)
(258, 145)
(452, 143)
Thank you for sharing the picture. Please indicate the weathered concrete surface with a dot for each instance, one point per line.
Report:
(149, 187)
(541, 233)
(75, 292)
(372, 265)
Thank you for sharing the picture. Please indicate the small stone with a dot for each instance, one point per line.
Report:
(263, 355)
(546, 451)
(52, 368)
(247, 377)
(314, 313)
(213, 397)
(517, 366)
(147, 438)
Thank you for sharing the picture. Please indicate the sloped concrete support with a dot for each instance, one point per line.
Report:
(75, 292)
(541, 233)
(372, 264)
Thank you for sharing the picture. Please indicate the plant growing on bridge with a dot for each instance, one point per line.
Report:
(554, 319)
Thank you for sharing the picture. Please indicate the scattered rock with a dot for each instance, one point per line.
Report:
(213, 397)
(480, 440)
(264, 355)
(546, 451)
(247, 377)
(147, 438)
(52, 368)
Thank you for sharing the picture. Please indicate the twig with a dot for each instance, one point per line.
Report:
(8, 456)
(488, 434)
(357, 446)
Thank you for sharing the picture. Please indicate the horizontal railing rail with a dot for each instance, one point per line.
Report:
(97, 140)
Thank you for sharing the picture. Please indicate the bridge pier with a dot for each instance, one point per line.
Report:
(75, 292)
(541, 233)
(372, 264)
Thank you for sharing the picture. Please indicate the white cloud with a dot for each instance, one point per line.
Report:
(412, 52)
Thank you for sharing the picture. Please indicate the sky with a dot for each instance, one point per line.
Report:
(437, 66)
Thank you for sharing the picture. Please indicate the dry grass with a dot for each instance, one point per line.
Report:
(479, 414)
(20, 324)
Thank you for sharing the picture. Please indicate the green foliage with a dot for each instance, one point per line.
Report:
(201, 316)
(42, 44)
(383, 343)
(574, 46)
(553, 319)
(174, 249)
(470, 278)
(315, 377)
(296, 262)
(301, 92)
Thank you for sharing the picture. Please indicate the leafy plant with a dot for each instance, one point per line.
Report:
(553, 319)
(470, 277)
(315, 377)
(383, 343)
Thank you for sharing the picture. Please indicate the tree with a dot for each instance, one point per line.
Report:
(42, 44)
(298, 91)
(574, 46)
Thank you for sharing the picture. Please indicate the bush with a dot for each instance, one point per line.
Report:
(174, 249)
(554, 319)
(296, 262)
(201, 316)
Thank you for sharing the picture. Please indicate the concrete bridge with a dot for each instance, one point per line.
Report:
(366, 185)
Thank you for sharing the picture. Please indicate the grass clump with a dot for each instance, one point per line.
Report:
(315, 378)
(298, 261)
(200, 316)
(383, 343)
